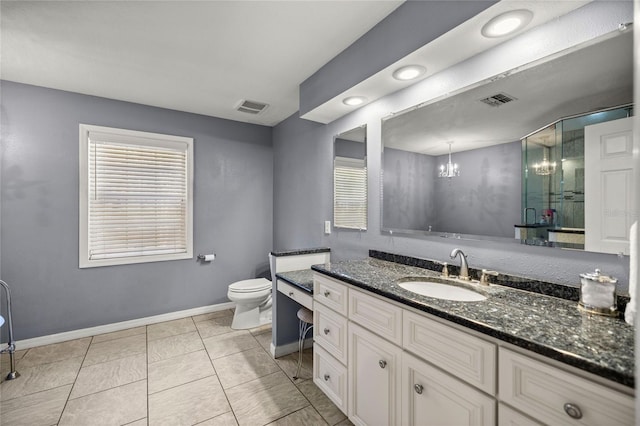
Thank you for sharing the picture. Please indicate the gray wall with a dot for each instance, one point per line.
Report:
(485, 198)
(408, 190)
(350, 149)
(232, 212)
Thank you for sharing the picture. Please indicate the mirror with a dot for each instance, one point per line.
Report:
(455, 167)
(350, 179)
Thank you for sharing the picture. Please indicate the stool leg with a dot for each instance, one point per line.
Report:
(303, 329)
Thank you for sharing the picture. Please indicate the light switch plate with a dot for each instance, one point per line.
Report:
(327, 227)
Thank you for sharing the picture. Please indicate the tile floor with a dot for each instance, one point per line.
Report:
(194, 370)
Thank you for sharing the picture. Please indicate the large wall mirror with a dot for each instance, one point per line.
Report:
(350, 179)
(472, 165)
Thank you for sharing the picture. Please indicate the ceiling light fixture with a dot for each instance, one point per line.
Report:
(507, 23)
(450, 169)
(409, 72)
(354, 100)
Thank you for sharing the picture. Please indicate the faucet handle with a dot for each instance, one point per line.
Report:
(484, 277)
(445, 269)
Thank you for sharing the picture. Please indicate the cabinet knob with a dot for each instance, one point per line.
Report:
(573, 410)
(418, 388)
(382, 363)
(327, 293)
(290, 294)
(326, 331)
(326, 377)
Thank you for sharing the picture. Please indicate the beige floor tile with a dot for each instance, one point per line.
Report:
(321, 402)
(242, 367)
(41, 377)
(116, 349)
(188, 404)
(141, 422)
(229, 343)
(265, 399)
(38, 409)
(169, 347)
(308, 416)
(179, 370)
(214, 326)
(119, 334)
(289, 364)
(116, 406)
(170, 328)
(55, 352)
(260, 329)
(264, 339)
(111, 374)
(211, 315)
(226, 419)
(5, 363)
(345, 422)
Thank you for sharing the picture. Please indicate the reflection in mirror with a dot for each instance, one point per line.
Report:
(350, 179)
(458, 167)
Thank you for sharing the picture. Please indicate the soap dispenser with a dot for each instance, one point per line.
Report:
(598, 294)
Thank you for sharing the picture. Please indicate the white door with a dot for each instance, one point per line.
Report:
(374, 379)
(608, 185)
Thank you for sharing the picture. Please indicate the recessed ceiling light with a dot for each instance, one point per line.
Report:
(409, 72)
(354, 100)
(507, 23)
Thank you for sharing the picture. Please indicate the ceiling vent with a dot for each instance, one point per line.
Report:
(498, 99)
(251, 107)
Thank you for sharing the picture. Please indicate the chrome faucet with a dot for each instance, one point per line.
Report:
(464, 267)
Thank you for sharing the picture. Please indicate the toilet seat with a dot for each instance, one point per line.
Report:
(250, 286)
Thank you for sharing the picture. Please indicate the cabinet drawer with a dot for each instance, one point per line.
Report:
(303, 298)
(330, 332)
(507, 416)
(432, 397)
(541, 391)
(466, 357)
(330, 293)
(376, 315)
(331, 377)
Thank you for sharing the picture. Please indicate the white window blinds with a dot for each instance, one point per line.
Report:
(349, 193)
(138, 197)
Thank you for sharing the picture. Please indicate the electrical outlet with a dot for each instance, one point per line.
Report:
(327, 227)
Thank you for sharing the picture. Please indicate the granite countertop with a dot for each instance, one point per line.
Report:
(302, 279)
(298, 252)
(547, 325)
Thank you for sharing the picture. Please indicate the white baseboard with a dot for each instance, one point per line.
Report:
(109, 328)
(289, 348)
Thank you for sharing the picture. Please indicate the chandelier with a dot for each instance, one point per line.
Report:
(545, 167)
(450, 169)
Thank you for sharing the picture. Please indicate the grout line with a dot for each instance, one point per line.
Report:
(74, 381)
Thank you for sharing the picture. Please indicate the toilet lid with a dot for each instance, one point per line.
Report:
(248, 286)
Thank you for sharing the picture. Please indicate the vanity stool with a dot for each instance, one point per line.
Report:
(306, 323)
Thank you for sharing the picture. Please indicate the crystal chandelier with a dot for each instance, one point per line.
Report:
(450, 169)
(545, 167)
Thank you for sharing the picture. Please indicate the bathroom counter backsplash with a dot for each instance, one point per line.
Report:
(550, 326)
(302, 279)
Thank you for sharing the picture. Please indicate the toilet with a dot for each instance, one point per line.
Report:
(253, 303)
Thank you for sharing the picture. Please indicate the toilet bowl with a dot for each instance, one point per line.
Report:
(253, 303)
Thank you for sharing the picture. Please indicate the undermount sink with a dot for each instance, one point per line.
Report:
(439, 290)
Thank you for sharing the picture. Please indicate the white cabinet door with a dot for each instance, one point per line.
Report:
(374, 379)
(608, 185)
(432, 397)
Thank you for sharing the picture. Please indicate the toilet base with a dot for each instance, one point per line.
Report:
(245, 318)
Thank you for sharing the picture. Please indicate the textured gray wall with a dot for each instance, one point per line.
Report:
(350, 149)
(412, 25)
(233, 208)
(408, 190)
(485, 198)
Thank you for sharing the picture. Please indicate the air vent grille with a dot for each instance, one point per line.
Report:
(498, 99)
(251, 107)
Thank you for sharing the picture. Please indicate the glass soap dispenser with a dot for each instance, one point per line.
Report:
(598, 294)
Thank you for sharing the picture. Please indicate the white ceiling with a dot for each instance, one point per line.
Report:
(195, 56)
(589, 77)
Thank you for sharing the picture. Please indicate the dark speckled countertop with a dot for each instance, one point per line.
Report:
(547, 325)
(302, 279)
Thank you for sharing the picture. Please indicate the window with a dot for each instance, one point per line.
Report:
(349, 193)
(136, 197)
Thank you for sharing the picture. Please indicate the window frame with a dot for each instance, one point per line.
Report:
(138, 138)
(354, 163)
